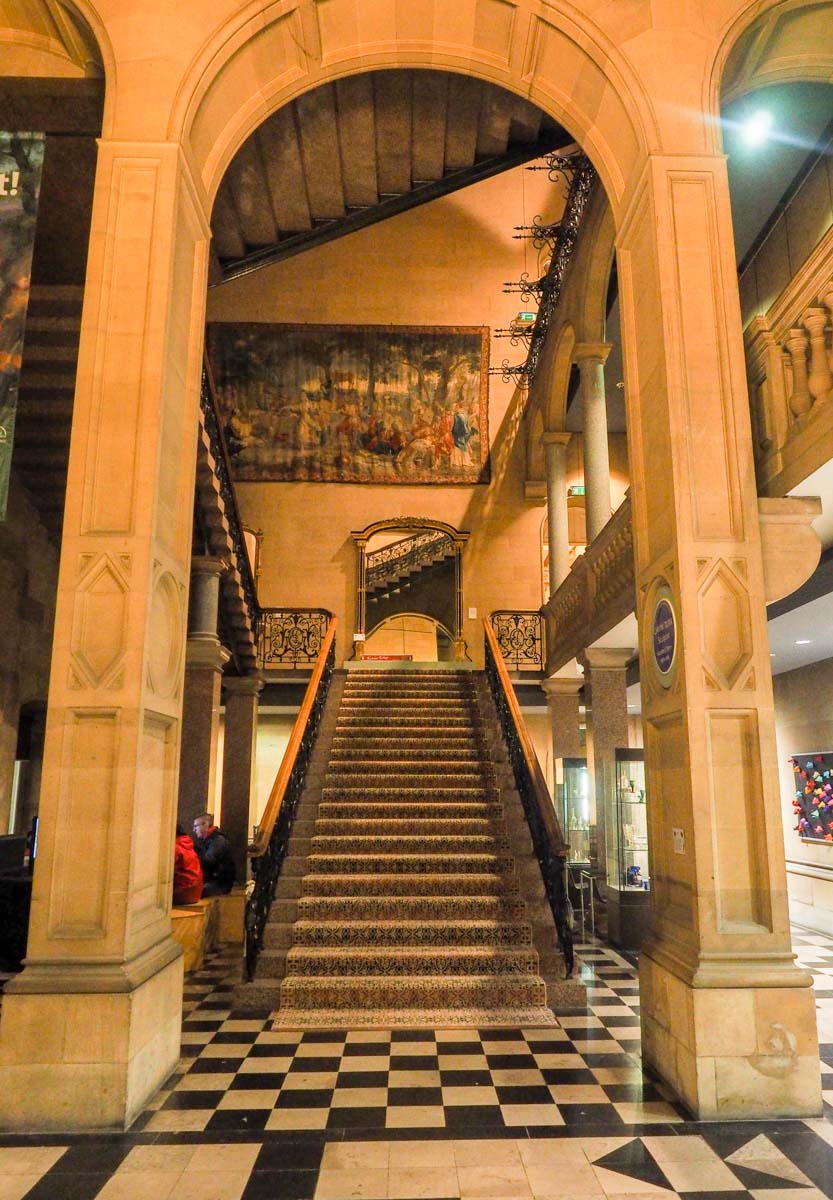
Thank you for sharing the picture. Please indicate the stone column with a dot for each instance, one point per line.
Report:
(239, 737)
(558, 532)
(606, 712)
(728, 1019)
(563, 707)
(591, 358)
(205, 658)
(91, 1027)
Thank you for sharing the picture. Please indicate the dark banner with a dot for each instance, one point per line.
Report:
(21, 160)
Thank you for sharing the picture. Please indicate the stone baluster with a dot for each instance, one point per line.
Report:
(800, 401)
(826, 297)
(819, 380)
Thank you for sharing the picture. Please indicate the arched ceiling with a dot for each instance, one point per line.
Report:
(352, 152)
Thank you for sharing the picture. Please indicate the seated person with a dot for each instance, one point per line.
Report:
(187, 870)
(215, 856)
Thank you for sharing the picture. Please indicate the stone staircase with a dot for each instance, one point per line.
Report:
(410, 893)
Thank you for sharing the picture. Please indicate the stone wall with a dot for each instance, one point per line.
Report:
(28, 580)
(804, 721)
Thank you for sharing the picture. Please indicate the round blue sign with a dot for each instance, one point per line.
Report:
(664, 635)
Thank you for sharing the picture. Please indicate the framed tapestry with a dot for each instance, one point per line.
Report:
(353, 404)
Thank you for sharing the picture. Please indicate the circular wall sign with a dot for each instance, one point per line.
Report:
(664, 637)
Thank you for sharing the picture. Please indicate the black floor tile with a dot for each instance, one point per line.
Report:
(363, 1079)
(268, 1050)
(511, 1062)
(357, 1118)
(568, 1075)
(92, 1158)
(185, 1099)
(239, 1118)
(465, 1078)
(317, 1036)
(304, 1156)
(362, 1049)
(459, 1048)
(215, 1066)
(68, 1187)
(413, 1062)
(469, 1118)
(256, 1080)
(317, 1066)
(412, 1035)
(414, 1095)
(221, 1039)
(590, 1114)
(302, 1098)
(631, 1092)
(523, 1094)
(281, 1185)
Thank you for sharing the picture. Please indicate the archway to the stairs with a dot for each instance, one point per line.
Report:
(413, 566)
(411, 637)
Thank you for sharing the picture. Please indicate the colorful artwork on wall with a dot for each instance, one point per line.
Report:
(813, 799)
(353, 404)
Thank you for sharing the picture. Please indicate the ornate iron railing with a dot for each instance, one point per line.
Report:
(219, 450)
(520, 638)
(269, 847)
(405, 555)
(548, 840)
(546, 291)
(291, 637)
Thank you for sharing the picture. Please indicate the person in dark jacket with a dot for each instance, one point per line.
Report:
(215, 856)
(188, 881)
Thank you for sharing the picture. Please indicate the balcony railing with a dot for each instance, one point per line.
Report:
(520, 638)
(291, 637)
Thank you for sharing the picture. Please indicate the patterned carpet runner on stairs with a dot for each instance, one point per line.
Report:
(402, 902)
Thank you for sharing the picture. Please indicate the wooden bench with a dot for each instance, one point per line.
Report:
(196, 928)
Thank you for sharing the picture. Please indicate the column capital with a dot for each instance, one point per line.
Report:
(208, 564)
(205, 653)
(559, 685)
(606, 658)
(244, 685)
(555, 437)
(592, 352)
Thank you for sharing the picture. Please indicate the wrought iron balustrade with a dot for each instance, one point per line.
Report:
(291, 637)
(405, 555)
(219, 451)
(520, 638)
(547, 838)
(269, 848)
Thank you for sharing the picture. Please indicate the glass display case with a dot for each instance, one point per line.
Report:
(628, 866)
(573, 800)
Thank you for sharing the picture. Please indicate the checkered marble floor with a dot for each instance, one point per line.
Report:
(254, 1113)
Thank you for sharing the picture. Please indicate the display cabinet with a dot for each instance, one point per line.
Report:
(628, 866)
(573, 799)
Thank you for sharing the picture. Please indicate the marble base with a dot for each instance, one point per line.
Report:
(731, 1053)
(88, 1060)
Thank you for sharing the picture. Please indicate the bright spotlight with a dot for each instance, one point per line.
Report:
(756, 128)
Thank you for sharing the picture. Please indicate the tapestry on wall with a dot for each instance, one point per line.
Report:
(21, 162)
(813, 799)
(353, 404)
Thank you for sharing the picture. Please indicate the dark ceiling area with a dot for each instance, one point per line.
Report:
(353, 152)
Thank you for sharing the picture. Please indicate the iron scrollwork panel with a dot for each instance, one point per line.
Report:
(520, 636)
(291, 637)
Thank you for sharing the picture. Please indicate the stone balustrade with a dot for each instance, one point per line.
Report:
(789, 364)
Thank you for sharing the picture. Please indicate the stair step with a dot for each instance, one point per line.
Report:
(398, 827)
(422, 991)
(393, 932)
(411, 908)
(354, 846)
(404, 960)
(451, 883)
(359, 755)
(415, 723)
(417, 809)
(436, 768)
(406, 779)
(344, 791)
(410, 864)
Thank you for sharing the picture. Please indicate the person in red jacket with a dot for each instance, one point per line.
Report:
(188, 880)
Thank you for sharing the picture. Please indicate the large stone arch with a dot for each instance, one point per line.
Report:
(259, 60)
(767, 45)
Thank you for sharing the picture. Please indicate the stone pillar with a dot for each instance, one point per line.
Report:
(91, 1027)
(205, 658)
(606, 712)
(591, 358)
(239, 737)
(728, 1019)
(563, 707)
(558, 532)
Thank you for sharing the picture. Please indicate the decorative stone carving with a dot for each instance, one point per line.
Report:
(724, 609)
(99, 632)
(800, 401)
(165, 637)
(819, 380)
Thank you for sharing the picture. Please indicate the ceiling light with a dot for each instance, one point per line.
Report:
(756, 128)
(803, 641)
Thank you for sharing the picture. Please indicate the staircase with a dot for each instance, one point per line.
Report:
(410, 894)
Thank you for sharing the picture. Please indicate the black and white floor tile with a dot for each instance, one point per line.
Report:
(254, 1113)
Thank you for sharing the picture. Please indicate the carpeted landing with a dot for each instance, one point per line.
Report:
(411, 895)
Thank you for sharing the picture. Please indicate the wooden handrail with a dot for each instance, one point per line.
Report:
(542, 792)
(273, 805)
